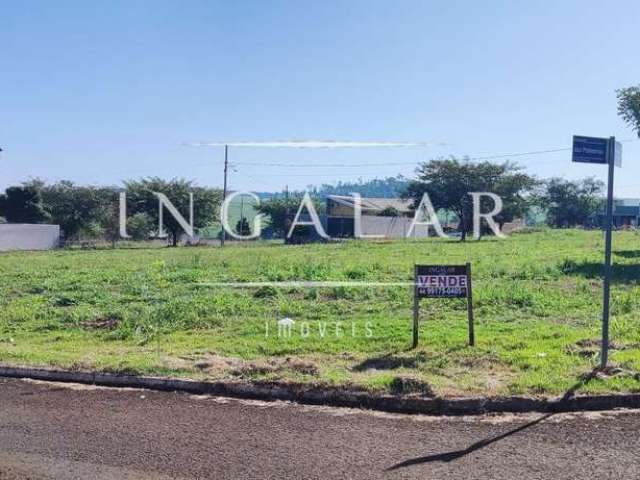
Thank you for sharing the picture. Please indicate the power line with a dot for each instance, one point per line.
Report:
(318, 174)
(315, 144)
(374, 164)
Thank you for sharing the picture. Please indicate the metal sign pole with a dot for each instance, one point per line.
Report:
(472, 337)
(416, 306)
(607, 257)
(603, 151)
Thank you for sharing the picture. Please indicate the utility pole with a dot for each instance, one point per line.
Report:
(224, 190)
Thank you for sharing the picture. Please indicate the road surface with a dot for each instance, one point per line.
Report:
(52, 431)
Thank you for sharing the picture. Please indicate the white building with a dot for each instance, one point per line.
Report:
(23, 236)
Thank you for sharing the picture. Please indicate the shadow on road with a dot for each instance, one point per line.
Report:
(452, 455)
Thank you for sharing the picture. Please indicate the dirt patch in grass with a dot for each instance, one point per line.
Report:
(479, 363)
(204, 362)
(475, 376)
(592, 343)
(101, 323)
(216, 365)
(276, 365)
(589, 347)
(613, 371)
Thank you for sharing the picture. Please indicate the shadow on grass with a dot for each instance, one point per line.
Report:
(390, 362)
(620, 273)
(627, 253)
(452, 455)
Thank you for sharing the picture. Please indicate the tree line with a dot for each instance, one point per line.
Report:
(448, 181)
(93, 211)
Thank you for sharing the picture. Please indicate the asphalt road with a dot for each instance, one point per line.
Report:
(48, 431)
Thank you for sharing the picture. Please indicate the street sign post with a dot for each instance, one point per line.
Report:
(609, 152)
(442, 281)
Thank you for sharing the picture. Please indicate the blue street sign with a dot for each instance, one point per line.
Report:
(590, 149)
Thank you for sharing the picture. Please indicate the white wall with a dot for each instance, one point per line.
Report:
(392, 227)
(22, 236)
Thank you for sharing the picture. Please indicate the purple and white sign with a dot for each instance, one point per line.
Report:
(441, 281)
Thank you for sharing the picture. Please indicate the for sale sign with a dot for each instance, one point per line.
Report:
(442, 281)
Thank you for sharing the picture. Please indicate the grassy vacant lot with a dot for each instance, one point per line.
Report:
(537, 300)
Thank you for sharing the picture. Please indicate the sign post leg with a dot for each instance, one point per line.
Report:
(472, 337)
(416, 307)
(604, 353)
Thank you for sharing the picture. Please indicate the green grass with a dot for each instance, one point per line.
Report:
(537, 300)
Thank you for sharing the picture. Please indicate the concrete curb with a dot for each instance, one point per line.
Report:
(337, 397)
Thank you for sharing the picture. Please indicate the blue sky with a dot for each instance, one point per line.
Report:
(98, 92)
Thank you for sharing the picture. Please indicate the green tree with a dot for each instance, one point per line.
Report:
(514, 188)
(140, 226)
(75, 207)
(448, 183)
(141, 198)
(282, 211)
(389, 212)
(571, 203)
(109, 218)
(629, 106)
(242, 227)
(22, 205)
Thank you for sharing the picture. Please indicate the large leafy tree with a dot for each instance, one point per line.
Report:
(571, 203)
(141, 199)
(22, 205)
(282, 210)
(514, 187)
(448, 183)
(74, 207)
(629, 106)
